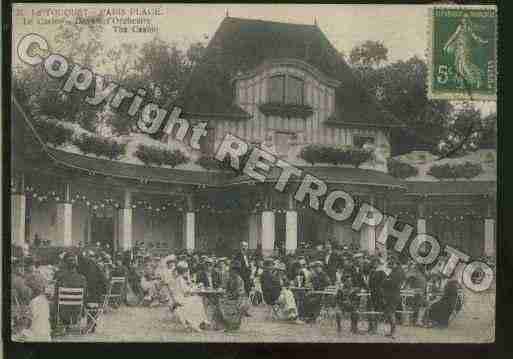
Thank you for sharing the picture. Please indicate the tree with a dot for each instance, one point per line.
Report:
(439, 126)
(369, 54)
(159, 67)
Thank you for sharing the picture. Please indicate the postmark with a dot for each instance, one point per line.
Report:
(462, 53)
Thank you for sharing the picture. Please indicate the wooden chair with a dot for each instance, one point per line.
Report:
(406, 307)
(328, 306)
(71, 299)
(363, 308)
(114, 291)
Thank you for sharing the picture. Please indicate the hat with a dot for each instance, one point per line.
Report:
(316, 264)
(209, 260)
(268, 262)
(280, 266)
(302, 261)
(358, 255)
(170, 258)
(182, 265)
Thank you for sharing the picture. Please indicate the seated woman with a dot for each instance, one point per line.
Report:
(189, 307)
(440, 311)
(150, 288)
(256, 296)
(285, 306)
(39, 330)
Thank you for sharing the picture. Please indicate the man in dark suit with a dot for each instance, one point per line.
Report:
(205, 276)
(392, 292)
(376, 280)
(271, 286)
(330, 261)
(358, 271)
(245, 271)
(220, 273)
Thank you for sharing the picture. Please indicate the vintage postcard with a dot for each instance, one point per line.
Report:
(253, 173)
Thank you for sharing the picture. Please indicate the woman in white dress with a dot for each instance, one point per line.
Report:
(189, 307)
(39, 330)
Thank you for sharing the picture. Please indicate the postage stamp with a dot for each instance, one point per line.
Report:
(462, 53)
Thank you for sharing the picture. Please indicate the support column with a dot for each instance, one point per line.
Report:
(18, 210)
(421, 218)
(189, 223)
(189, 230)
(63, 221)
(254, 232)
(125, 223)
(489, 232)
(268, 232)
(291, 226)
(291, 232)
(368, 235)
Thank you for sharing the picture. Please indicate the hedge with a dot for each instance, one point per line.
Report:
(156, 156)
(464, 170)
(100, 146)
(335, 155)
(53, 133)
(401, 169)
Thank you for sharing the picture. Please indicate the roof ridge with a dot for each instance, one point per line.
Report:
(269, 21)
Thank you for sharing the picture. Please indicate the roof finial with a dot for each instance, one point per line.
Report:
(227, 13)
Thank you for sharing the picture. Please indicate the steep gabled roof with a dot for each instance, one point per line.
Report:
(240, 45)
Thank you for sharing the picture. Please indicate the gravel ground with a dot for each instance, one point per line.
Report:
(475, 324)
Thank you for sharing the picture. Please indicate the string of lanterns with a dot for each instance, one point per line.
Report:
(441, 215)
(230, 205)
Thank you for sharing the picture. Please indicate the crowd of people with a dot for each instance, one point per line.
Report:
(205, 292)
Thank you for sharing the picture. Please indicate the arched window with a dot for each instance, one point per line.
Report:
(294, 90)
(286, 89)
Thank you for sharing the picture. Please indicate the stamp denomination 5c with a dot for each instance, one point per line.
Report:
(463, 53)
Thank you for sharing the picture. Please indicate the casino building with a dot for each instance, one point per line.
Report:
(280, 86)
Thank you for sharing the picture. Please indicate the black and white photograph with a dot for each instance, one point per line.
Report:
(252, 173)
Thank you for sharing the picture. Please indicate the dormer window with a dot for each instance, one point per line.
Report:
(286, 89)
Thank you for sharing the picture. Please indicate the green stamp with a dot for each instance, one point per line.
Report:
(463, 53)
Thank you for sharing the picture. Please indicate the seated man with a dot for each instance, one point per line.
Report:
(313, 302)
(440, 311)
(271, 287)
